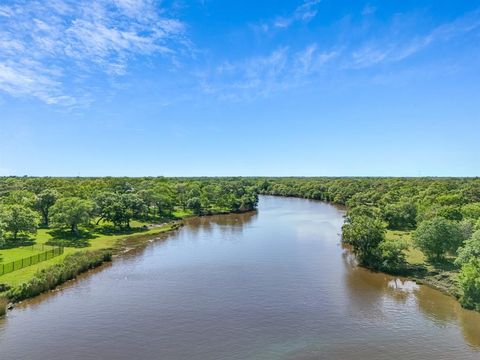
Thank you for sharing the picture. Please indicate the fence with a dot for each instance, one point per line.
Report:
(31, 260)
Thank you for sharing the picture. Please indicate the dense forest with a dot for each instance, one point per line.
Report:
(428, 228)
(391, 222)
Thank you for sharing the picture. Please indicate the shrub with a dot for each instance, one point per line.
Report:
(470, 250)
(365, 234)
(393, 255)
(3, 306)
(469, 281)
(50, 278)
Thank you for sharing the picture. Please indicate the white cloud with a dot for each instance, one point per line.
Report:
(43, 45)
(263, 76)
(302, 13)
(393, 47)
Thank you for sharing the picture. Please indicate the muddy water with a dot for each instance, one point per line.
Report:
(269, 285)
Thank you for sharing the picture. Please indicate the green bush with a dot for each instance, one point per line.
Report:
(470, 250)
(50, 278)
(365, 234)
(3, 306)
(393, 255)
(469, 281)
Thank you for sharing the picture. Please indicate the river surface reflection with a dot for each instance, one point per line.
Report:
(274, 284)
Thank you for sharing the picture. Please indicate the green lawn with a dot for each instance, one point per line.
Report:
(101, 236)
(414, 255)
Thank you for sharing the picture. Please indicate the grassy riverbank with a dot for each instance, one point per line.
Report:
(441, 276)
(33, 280)
(95, 240)
(92, 249)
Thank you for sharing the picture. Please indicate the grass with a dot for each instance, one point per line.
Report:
(55, 275)
(442, 276)
(95, 239)
(414, 255)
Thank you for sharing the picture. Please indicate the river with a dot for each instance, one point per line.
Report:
(273, 284)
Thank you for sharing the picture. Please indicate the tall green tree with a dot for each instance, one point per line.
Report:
(19, 220)
(19, 197)
(133, 205)
(44, 201)
(401, 216)
(2, 234)
(469, 281)
(471, 211)
(72, 212)
(365, 234)
(438, 236)
(195, 205)
(470, 250)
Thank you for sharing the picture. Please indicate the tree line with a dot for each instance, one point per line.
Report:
(443, 215)
(27, 203)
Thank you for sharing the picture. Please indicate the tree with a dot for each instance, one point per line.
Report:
(364, 210)
(438, 236)
(195, 205)
(164, 203)
(471, 211)
(72, 212)
(393, 254)
(119, 208)
(44, 201)
(401, 216)
(19, 219)
(469, 281)
(365, 234)
(2, 234)
(19, 197)
(109, 207)
(451, 212)
(133, 205)
(470, 250)
(248, 202)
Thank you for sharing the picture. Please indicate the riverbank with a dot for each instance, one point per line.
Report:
(115, 245)
(112, 245)
(442, 277)
(264, 285)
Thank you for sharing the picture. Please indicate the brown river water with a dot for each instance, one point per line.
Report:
(275, 284)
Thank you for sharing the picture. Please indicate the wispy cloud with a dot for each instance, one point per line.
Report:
(264, 75)
(43, 45)
(283, 68)
(305, 12)
(393, 47)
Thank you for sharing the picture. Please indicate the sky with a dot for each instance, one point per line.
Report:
(239, 88)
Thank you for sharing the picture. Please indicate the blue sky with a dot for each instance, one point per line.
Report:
(181, 88)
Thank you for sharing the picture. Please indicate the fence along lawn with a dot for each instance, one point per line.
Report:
(11, 266)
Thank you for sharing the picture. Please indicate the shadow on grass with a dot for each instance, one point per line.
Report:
(112, 230)
(444, 264)
(62, 237)
(417, 270)
(20, 241)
